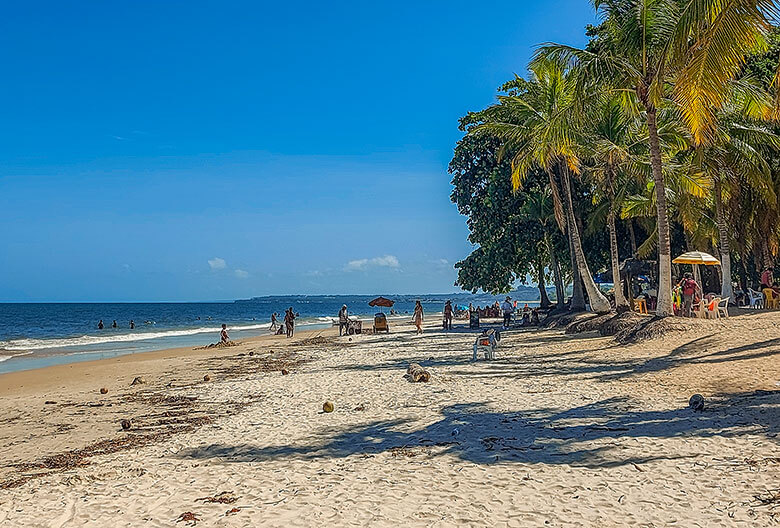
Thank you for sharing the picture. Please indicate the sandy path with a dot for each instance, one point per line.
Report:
(560, 431)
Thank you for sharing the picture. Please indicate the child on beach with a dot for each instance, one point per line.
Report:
(223, 335)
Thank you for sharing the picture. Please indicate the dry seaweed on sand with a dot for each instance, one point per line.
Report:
(408, 451)
(769, 498)
(80, 457)
(241, 365)
(190, 518)
(221, 344)
(224, 497)
(314, 341)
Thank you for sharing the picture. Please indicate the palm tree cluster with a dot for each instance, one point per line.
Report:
(666, 122)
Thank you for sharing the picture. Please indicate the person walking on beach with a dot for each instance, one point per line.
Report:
(448, 315)
(508, 310)
(100, 324)
(689, 288)
(418, 316)
(343, 320)
(274, 322)
(223, 335)
(289, 322)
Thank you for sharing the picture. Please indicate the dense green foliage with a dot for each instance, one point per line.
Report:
(656, 139)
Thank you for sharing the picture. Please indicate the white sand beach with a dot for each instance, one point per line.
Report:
(560, 430)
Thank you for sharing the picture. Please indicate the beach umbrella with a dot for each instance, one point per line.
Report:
(697, 257)
(382, 301)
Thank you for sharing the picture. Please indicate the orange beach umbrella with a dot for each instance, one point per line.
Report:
(382, 301)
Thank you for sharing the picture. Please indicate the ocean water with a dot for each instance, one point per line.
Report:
(42, 334)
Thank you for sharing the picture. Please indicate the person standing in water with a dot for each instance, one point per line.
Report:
(132, 324)
(223, 335)
(114, 325)
(100, 324)
(418, 316)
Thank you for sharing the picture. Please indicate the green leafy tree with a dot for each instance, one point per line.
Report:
(680, 52)
(537, 124)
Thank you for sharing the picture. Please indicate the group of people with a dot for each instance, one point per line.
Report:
(287, 326)
(507, 310)
(100, 324)
(688, 292)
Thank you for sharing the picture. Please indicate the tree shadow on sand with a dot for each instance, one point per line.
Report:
(589, 436)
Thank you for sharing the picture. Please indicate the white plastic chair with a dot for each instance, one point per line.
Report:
(723, 307)
(755, 299)
(711, 309)
(699, 309)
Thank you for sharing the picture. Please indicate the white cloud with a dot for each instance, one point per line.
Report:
(387, 261)
(241, 274)
(217, 263)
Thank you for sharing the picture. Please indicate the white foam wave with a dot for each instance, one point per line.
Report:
(6, 358)
(42, 344)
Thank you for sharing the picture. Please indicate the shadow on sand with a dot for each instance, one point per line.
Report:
(585, 436)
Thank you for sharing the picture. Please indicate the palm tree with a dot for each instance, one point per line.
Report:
(539, 207)
(734, 161)
(537, 123)
(613, 138)
(642, 45)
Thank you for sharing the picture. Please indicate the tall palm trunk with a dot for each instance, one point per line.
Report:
(723, 244)
(621, 304)
(577, 295)
(632, 236)
(598, 303)
(560, 294)
(664, 307)
(544, 300)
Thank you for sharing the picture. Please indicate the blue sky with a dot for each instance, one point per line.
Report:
(218, 150)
